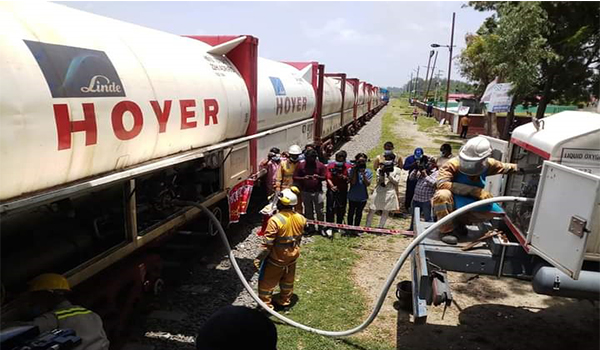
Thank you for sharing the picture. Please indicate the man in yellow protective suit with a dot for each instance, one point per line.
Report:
(280, 250)
(47, 292)
(284, 177)
(461, 180)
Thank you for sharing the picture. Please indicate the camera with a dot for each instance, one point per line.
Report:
(361, 165)
(337, 169)
(387, 166)
(423, 163)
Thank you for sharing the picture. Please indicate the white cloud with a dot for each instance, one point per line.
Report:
(312, 54)
(340, 30)
(415, 26)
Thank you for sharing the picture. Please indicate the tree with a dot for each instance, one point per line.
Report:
(566, 43)
(476, 63)
(573, 36)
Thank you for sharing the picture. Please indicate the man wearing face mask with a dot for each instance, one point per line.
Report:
(388, 149)
(461, 181)
(385, 195)
(271, 165)
(411, 164)
(337, 188)
(309, 175)
(445, 155)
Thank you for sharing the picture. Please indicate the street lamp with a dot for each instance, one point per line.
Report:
(449, 61)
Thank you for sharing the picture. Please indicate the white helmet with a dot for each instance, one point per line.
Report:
(295, 149)
(473, 156)
(288, 197)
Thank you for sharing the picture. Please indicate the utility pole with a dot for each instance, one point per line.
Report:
(417, 82)
(431, 77)
(427, 74)
(450, 62)
(410, 86)
(437, 83)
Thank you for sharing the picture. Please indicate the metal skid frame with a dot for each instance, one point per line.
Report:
(494, 257)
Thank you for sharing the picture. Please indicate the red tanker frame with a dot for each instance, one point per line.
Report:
(245, 59)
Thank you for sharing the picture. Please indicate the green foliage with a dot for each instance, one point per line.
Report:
(549, 49)
(519, 45)
(476, 61)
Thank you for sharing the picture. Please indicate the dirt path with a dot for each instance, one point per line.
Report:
(488, 313)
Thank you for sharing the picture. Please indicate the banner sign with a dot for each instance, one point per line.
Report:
(463, 110)
(238, 198)
(500, 100)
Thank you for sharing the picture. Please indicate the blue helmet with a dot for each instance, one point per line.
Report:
(418, 153)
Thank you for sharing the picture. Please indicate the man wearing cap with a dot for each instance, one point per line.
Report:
(461, 181)
(412, 163)
(47, 292)
(280, 250)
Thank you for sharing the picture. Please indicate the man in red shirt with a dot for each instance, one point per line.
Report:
(337, 188)
(309, 175)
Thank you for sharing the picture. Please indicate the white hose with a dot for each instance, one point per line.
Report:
(388, 282)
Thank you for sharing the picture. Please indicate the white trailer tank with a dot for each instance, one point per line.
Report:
(84, 95)
(568, 138)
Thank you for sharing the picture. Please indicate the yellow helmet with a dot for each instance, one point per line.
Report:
(49, 281)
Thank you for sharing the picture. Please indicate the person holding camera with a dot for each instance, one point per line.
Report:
(413, 163)
(337, 188)
(424, 190)
(360, 179)
(385, 195)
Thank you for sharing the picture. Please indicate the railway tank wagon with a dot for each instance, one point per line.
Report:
(102, 129)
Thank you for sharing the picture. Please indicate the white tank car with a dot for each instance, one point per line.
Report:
(332, 103)
(91, 95)
(285, 96)
(362, 103)
(348, 102)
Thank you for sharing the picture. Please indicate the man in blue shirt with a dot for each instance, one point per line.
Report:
(358, 194)
(413, 163)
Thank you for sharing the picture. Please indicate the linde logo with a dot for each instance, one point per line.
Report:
(76, 72)
(100, 83)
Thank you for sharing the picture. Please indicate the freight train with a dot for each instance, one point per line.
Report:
(104, 123)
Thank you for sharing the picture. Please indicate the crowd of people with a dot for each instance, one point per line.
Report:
(338, 190)
(300, 181)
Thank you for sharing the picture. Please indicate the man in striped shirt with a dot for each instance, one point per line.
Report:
(424, 191)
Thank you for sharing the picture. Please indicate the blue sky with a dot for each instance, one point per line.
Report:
(380, 42)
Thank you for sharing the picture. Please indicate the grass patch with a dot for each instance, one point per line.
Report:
(328, 298)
